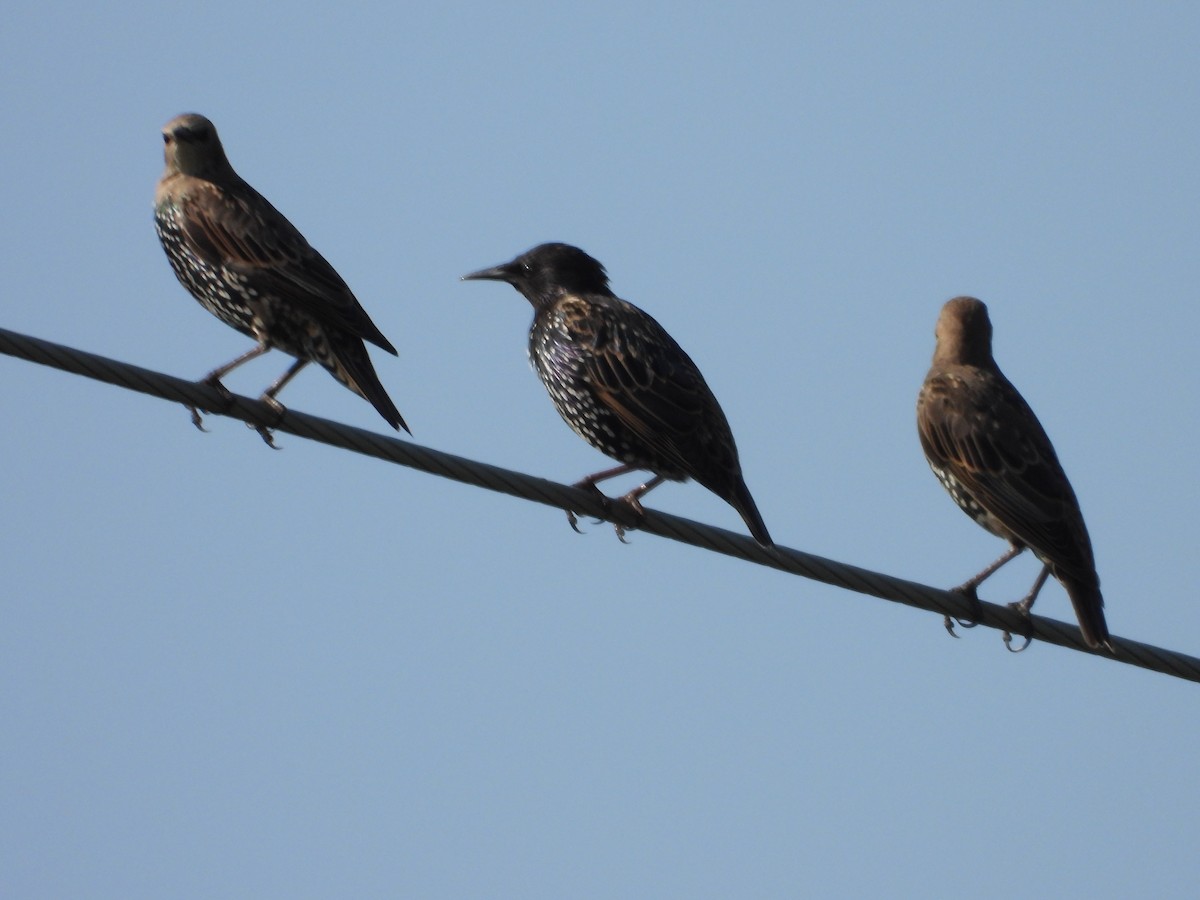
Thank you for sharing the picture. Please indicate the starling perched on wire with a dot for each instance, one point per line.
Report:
(621, 382)
(251, 268)
(991, 454)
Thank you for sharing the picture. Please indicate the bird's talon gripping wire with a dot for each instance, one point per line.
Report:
(1022, 609)
(265, 431)
(1008, 642)
(266, 434)
(215, 384)
(196, 418)
(968, 591)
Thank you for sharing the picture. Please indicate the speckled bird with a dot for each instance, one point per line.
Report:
(621, 382)
(990, 452)
(250, 267)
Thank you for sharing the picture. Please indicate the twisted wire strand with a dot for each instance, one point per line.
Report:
(550, 493)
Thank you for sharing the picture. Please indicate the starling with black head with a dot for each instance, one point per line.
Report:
(990, 452)
(251, 268)
(621, 382)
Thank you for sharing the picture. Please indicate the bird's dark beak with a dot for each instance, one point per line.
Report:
(495, 273)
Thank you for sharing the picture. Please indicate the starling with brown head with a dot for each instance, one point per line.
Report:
(990, 452)
(250, 267)
(621, 382)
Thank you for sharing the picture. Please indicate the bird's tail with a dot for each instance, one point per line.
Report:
(744, 504)
(351, 365)
(1089, 610)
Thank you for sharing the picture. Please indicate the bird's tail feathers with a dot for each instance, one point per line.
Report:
(353, 368)
(745, 505)
(1089, 610)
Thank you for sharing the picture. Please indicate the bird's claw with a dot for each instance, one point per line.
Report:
(1008, 642)
(605, 501)
(266, 434)
(634, 506)
(264, 431)
(951, 621)
(226, 396)
(1021, 608)
(629, 500)
(196, 419)
(573, 521)
(968, 591)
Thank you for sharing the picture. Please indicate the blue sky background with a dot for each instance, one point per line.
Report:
(231, 672)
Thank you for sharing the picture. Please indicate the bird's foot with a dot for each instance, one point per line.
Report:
(266, 434)
(1022, 609)
(966, 590)
(264, 431)
(226, 396)
(586, 485)
(632, 503)
(196, 419)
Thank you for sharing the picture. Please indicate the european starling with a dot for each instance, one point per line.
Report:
(621, 382)
(991, 454)
(251, 268)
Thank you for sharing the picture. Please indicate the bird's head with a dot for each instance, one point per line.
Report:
(547, 272)
(191, 147)
(964, 333)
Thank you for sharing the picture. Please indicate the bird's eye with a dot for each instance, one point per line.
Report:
(166, 138)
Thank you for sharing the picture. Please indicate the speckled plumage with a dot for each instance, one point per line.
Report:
(249, 266)
(620, 381)
(990, 452)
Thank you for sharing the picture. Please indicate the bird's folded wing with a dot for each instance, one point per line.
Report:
(638, 371)
(257, 242)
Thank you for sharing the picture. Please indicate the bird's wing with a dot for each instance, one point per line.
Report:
(243, 232)
(977, 427)
(638, 371)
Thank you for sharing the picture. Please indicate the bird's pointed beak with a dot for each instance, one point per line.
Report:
(495, 273)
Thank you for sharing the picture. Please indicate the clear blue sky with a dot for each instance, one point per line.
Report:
(226, 671)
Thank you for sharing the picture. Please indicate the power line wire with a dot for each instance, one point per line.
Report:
(560, 496)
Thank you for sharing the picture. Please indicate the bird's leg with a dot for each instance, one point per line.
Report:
(969, 587)
(271, 393)
(220, 372)
(589, 484)
(213, 379)
(1023, 606)
(592, 480)
(269, 397)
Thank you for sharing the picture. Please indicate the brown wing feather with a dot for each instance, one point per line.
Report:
(242, 231)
